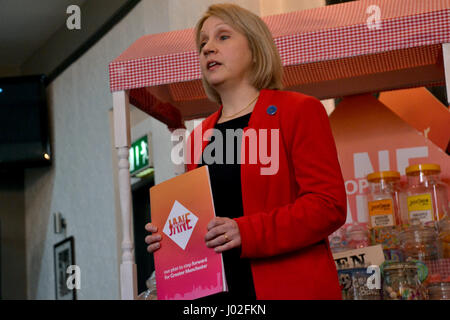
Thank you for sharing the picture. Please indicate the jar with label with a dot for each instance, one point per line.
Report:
(444, 237)
(426, 196)
(439, 291)
(401, 282)
(419, 242)
(383, 208)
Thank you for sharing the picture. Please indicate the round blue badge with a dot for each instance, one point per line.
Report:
(272, 110)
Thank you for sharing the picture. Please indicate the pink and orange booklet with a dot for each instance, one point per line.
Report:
(185, 267)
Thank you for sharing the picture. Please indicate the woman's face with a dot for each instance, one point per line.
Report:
(221, 43)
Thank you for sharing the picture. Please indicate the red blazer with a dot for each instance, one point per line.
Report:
(288, 216)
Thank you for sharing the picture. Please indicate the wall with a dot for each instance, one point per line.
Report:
(64, 43)
(12, 236)
(81, 184)
(9, 71)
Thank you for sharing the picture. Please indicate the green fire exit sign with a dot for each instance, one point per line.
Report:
(139, 157)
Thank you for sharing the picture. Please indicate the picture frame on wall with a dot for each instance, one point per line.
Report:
(64, 256)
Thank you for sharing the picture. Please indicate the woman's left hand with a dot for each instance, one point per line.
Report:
(223, 234)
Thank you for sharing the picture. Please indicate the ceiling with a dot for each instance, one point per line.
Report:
(26, 25)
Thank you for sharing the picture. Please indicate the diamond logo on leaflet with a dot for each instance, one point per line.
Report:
(180, 224)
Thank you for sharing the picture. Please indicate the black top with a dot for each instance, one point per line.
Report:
(225, 176)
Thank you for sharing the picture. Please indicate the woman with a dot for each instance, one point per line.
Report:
(272, 227)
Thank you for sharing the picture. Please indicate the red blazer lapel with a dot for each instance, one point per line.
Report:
(258, 119)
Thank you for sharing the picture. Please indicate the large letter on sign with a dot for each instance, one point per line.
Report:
(74, 280)
(374, 281)
(73, 21)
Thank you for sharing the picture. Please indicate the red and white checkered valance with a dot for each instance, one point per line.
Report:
(326, 52)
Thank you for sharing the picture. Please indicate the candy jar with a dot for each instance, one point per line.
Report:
(401, 282)
(425, 198)
(444, 237)
(346, 283)
(150, 293)
(361, 290)
(439, 291)
(357, 236)
(337, 243)
(383, 199)
(419, 242)
(383, 207)
(353, 282)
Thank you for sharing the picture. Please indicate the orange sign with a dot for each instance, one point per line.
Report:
(370, 137)
(421, 110)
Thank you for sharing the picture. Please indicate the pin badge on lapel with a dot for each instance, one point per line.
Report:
(271, 110)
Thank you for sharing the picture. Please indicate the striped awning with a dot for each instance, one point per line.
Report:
(327, 52)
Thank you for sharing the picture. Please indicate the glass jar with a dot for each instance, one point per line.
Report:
(383, 199)
(393, 254)
(444, 237)
(439, 291)
(401, 282)
(426, 196)
(150, 293)
(383, 207)
(357, 236)
(419, 242)
(353, 284)
(360, 287)
(346, 284)
(337, 243)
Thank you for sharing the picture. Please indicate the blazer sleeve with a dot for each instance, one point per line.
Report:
(320, 206)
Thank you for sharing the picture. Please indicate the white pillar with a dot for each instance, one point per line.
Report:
(128, 273)
(446, 51)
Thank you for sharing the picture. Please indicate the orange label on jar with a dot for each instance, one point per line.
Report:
(420, 207)
(381, 213)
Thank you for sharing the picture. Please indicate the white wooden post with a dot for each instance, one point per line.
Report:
(446, 51)
(179, 168)
(128, 273)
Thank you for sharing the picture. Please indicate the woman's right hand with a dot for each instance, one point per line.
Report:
(152, 240)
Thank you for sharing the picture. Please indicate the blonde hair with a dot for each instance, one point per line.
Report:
(267, 69)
